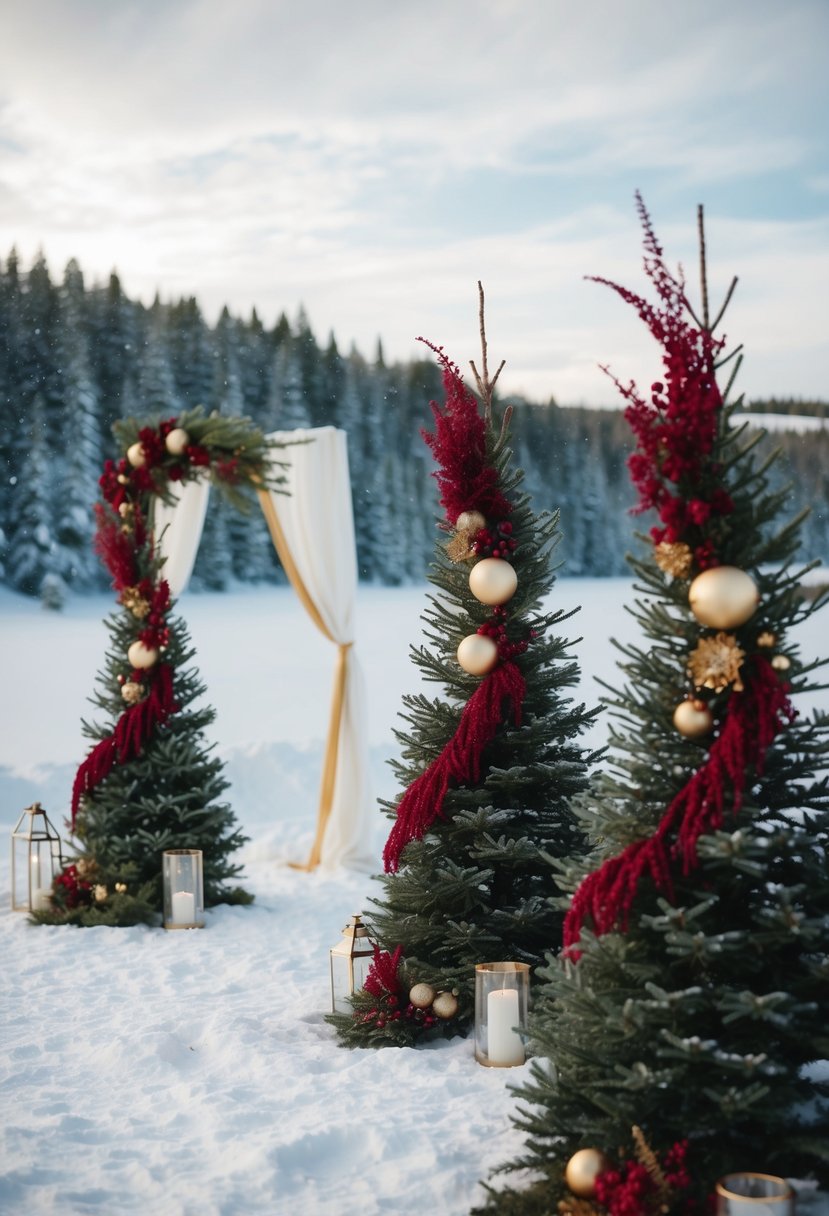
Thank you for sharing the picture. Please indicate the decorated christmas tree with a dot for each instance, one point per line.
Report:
(488, 769)
(151, 781)
(681, 1031)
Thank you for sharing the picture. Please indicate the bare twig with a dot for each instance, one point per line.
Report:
(725, 303)
(486, 387)
(703, 274)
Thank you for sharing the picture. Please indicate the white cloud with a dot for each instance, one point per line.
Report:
(373, 163)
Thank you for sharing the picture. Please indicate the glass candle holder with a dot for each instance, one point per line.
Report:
(751, 1194)
(501, 1006)
(183, 889)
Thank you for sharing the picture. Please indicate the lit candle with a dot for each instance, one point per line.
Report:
(504, 1043)
(38, 895)
(184, 908)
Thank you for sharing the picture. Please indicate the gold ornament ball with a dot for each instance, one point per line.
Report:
(780, 662)
(141, 656)
(135, 455)
(176, 441)
(132, 692)
(582, 1169)
(493, 581)
(470, 521)
(477, 654)
(723, 597)
(693, 719)
(421, 996)
(445, 1005)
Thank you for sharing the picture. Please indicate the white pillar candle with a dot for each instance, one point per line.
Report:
(504, 1043)
(184, 908)
(40, 899)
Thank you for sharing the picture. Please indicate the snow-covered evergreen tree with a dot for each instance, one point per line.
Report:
(78, 464)
(32, 543)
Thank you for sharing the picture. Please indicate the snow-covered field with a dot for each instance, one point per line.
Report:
(192, 1074)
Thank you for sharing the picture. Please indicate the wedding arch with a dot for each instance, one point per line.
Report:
(148, 530)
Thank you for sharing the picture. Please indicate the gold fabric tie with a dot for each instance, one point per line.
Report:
(329, 764)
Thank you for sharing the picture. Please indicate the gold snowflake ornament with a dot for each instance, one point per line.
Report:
(716, 663)
(675, 559)
(134, 602)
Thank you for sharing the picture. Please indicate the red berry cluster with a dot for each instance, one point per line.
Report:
(496, 628)
(495, 542)
(70, 888)
(156, 632)
(381, 1014)
(631, 1191)
(676, 424)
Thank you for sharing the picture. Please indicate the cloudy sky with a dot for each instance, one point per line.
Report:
(371, 161)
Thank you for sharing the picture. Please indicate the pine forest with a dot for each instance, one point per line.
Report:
(74, 359)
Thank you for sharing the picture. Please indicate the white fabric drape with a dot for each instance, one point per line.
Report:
(314, 521)
(178, 530)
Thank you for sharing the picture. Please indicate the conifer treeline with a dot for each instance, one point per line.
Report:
(74, 358)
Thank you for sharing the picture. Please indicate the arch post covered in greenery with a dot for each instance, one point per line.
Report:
(150, 781)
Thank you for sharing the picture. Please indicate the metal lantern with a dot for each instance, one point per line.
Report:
(183, 889)
(36, 859)
(350, 961)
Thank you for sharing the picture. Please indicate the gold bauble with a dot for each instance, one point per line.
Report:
(780, 662)
(693, 719)
(477, 654)
(581, 1171)
(132, 692)
(723, 597)
(421, 996)
(141, 656)
(176, 441)
(135, 455)
(445, 1005)
(470, 521)
(493, 581)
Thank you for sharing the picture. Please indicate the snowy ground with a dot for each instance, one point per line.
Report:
(192, 1074)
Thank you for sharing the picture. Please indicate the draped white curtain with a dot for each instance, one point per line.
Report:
(312, 526)
(178, 530)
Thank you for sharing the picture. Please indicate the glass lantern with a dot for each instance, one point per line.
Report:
(350, 961)
(36, 859)
(183, 889)
(501, 1007)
